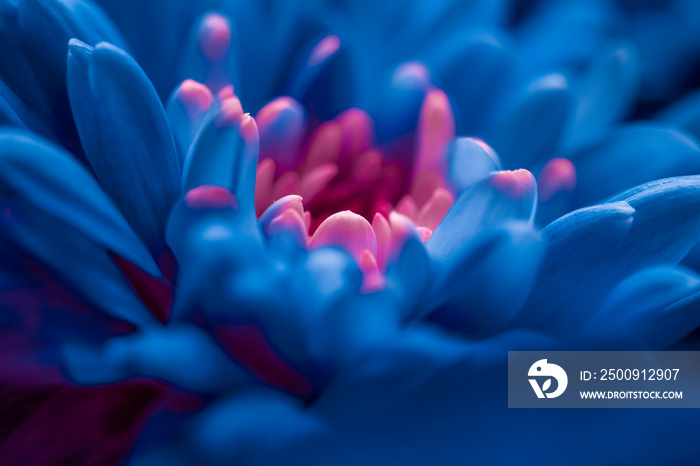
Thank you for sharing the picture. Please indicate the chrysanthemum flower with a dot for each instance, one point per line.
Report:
(338, 277)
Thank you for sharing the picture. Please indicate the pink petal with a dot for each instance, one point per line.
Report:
(288, 183)
(373, 279)
(358, 132)
(282, 125)
(515, 184)
(210, 197)
(230, 112)
(435, 209)
(557, 175)
(413, 70)
(424, 185)
(249, 129)
(424, 233)
(214, 36)
(263, 185)
(317, 179)
(291, 222)
(367, 166)
(324, 49)
(292, 202)
(382, 232)
(402, 228)
(324, 146)
(196, 98)
(436, 129)
(407, 207)
(225, 92)
(346, 230)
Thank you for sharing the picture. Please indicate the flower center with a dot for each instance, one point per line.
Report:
(341, 173)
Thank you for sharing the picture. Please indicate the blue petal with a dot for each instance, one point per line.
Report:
(293, 304)
(472, 67)
(52, 182)
(15, 112)
(222, 72)
(332, 273)
(249, 426)
(322, 78)
(530, 125)
(75, 258)
(125, 133)
(214, 157)
(469, 161)
(630, 156)
(154, 30)
(181, 354)
(210, 245)
(289, 242)
(487, 204)
(18, 68)
(383, 379)
(655, 308)
(431, 20)
(46, 26)
(564, 35)
(277, 208)
(224, 155)
(401, 101)
(54, 22)
(607, 94)
(591, 250)
(187, 108)
(472, 298)
(351, 327)
(11, 108)
(407, 277)
(577, 263)
(667, 41)
(684, 113)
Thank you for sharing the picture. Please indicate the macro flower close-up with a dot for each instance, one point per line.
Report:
(285, 232)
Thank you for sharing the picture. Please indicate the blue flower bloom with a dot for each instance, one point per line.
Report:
(337, 279)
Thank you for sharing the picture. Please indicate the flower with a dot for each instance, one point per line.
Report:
(324, 276)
